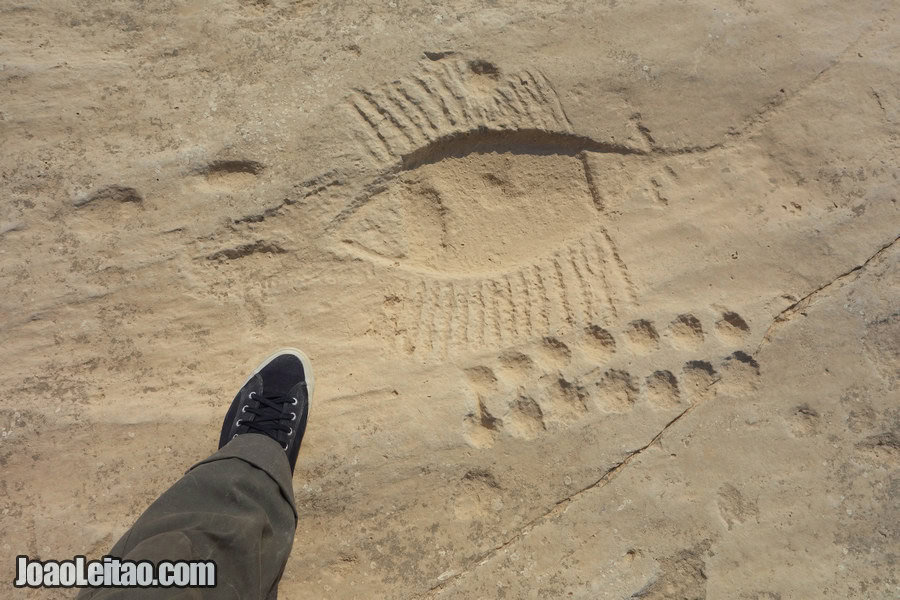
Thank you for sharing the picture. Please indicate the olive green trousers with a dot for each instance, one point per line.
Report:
(235, 508)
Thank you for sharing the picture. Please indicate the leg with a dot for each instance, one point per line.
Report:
(237, 506)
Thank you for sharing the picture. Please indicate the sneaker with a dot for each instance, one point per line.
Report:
(274, 401)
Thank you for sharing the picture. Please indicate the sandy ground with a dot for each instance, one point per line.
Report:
(602, 297)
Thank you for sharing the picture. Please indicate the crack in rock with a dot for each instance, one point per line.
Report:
(801, 305)
(558, 506)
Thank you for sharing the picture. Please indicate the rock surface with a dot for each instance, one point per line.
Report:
(601, 296)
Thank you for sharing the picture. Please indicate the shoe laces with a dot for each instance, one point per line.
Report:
(268, 416)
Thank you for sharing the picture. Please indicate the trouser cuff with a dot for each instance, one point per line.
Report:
(265, 454)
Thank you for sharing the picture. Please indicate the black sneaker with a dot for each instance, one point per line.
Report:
(274, 401)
